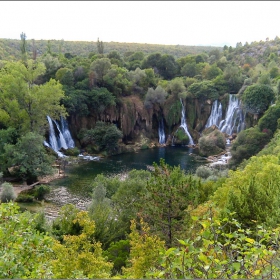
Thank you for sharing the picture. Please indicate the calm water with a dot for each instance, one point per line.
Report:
(79, 177)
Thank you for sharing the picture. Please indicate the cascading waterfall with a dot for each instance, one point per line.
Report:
(66, 133)
(234, 120)
(59, 137)
(184, 124)
(216, 115)
(161, 134)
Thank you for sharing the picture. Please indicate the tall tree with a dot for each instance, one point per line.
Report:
(25, 103)
(100, 47)
(165, 203)
(23, 47)
(29, 158)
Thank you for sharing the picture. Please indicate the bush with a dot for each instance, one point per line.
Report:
(212, 143)
(181, 137)
(7, 193)
(257, 98)
(41, 191)
(24, 198)
(72, 152)
(247, 144)
(203, 172)
(269, 119)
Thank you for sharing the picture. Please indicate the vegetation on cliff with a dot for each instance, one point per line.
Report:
(162, 223)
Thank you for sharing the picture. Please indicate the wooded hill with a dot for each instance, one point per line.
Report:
(11, 48)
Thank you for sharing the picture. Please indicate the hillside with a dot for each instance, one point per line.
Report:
(11, 48)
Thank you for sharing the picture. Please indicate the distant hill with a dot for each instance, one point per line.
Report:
(10, 48)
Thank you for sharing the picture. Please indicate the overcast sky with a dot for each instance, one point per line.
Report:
(215, 23)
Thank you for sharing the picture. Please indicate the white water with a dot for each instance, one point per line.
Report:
(184, 124)
(59, 137)
(161, 134)
(216, 115)
(234, 120)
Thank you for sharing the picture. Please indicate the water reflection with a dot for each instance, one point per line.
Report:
(79, 177)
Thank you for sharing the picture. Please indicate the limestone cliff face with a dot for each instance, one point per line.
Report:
(134, 120)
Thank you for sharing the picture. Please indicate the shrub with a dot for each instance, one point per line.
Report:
(247, 144)
(7, 193)
(181, 137)
(72, 152)
(212, 143)
(203, 172)
(269, 119)
(257, 98)
(41, 191)
(24, 198)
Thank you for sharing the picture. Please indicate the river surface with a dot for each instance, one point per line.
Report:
(79, 177)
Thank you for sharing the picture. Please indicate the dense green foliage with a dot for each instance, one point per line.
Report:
(257, 98)
(161, 223)
(103, 136)
(28, 157)
(248, 143)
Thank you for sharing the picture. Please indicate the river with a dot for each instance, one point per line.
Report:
(79, 177)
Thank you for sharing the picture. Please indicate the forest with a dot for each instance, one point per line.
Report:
(162, 223)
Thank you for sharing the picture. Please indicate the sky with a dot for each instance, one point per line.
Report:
(191, 23)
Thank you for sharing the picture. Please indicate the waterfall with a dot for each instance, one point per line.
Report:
(59, 136)
(66, 133)
(234, 121)
(216, 115)
(184, 124)
(161, 134)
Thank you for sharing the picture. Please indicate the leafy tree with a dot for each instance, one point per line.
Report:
(28, 157)
(189, 69)
(177, 87)
(127, 199)
(115, 58)
(7, 136)
(102, 213)
(116, 80)
(155, 97)
(40, 191)
(248, 143)
(101, 66)
(212, 143)
(233, 75)
(84, 255)
(26, 103)
(204, 90)
(64, 223)
(24, 252)
(168, 195)
(270, 118)
(52, 64)
(105, 136)
(257, 98)
(211, 72)
(167, 67)
(151, 61)
(252, 192)
(144, 252)
(118, 253)
(7, 194)
(216, 253)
